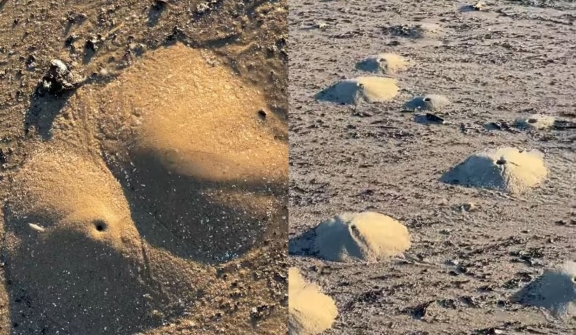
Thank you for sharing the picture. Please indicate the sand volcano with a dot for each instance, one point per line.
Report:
(311, 311)
(536, 122)
(74, 257)
(504, 169)
(201, 156)
(555, 291)
(386, 63)
(352, 91)
(430, 102)
(364, 236)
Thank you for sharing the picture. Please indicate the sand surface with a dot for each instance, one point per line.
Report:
(472, 249)
(144, 167)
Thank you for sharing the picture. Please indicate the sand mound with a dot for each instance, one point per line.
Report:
(200, 155)
(311, 311)
(536, 121)
(504, 169)
(555, 291)
(430, 102)
(369, 89)
(386, 63)
(75, 255)
(366, 236)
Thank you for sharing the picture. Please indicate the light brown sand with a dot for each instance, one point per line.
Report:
(506, 169)
(154, 179)
(71, 243)
(311, 311)
(369, 89)
(386, 63)
(200, 147)
(363, 236)
(536, 122)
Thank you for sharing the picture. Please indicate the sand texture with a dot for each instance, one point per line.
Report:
(554, 291)
(504, 169)
(385, 63)
(144, 177)
(354, 91)
(361, 236)
(311, 311)
(472, 248)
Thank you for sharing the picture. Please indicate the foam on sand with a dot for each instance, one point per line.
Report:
(386, 63)
(504, 169)
(554, 290)
(429, 102)
(352, 91)
(310, 311)
(366, 236)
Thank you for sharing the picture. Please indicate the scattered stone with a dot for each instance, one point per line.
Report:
(386, 63)
(430, 102)
(504, 169)
(59, 79)
(420, 30)
(434, 118)
(368, 89)
(321, 25)
(366, 236)
(555, 291)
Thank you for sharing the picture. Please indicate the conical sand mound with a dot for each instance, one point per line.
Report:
(536, 121)
(504, 169)
(352, 91)
(198, 149)
(386, 63)
(364, 236)
(311, 311)
(72, 246)
(430, 102)
(555, 291)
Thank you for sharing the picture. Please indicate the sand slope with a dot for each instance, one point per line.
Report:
(311, 311)
(71, 243)
(505, 169)
(364, 236)
(190, 139)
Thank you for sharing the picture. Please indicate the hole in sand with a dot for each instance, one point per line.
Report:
(501, 161)
(262, 114)
(427, 99)
(100, 225)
